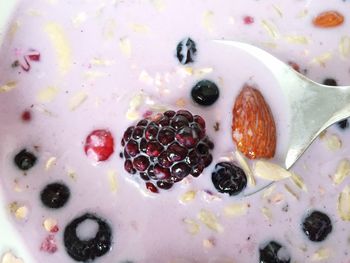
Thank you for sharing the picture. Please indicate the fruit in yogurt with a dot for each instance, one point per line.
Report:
(165, 149)
(99, 145)
(186, 51)
(87, 249)
(273, 252)
(205, 93)
(25, 160)
(229, 178)
(253, 125)
(317, 226)
(55, 195)
(328, 19)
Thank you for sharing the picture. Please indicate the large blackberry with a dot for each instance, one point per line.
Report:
(165, 149)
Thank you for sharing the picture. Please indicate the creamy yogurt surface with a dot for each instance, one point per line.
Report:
(71, 67)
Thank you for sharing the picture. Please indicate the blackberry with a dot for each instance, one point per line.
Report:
(86, 250)
(186, 51)
(166, 148)
(205, 93)
(317, 226)
(55, 195)
(274, 252)
(229, 178)
(25, 160)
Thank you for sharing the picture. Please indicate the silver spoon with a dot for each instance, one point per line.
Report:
(313, 107)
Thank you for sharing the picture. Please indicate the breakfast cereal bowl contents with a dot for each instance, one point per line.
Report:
(129, 136)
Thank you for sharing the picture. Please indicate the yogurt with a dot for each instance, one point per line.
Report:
(72, 67)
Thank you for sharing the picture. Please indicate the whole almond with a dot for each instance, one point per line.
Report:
(328, 19)
(253, 125)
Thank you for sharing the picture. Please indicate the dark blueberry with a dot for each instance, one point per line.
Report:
(86, 250)
(55, 195)
(273, 252)
(205, 93)
(330, 82)
(229, 178)
(186, 51)
(25, 160)
(344, 124)
(317, 226)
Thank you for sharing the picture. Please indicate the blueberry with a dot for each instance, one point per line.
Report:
(87, 249)
(25, 160)
(229, 178)
(344, 124)
(274, 252)
(317, 226)
(186, 51)
(330, 82)
(205, 93)
(55, 195)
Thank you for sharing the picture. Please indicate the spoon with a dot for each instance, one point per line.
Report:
(313, 107)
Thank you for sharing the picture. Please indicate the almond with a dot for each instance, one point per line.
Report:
(328, 19)
(253, 126)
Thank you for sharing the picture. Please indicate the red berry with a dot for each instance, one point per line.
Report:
(49, 244)
(99, 145)
(248, 20)
(26, 116)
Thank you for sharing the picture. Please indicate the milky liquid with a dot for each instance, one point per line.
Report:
(114, 52)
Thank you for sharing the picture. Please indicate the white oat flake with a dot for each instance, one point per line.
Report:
(77, 100)
(344, 46)
(271, 29)
(9, 257)
(8, 86)
(270, 171)
(50, 162)
(112, 179)
(321, 254)
(343, 171)
(245, 166)
(61, 45)
(210, 220)
(343, 205)
(235, 210)
(47, 94)
(207, 21)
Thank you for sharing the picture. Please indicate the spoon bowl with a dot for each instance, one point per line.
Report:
(313, 107)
